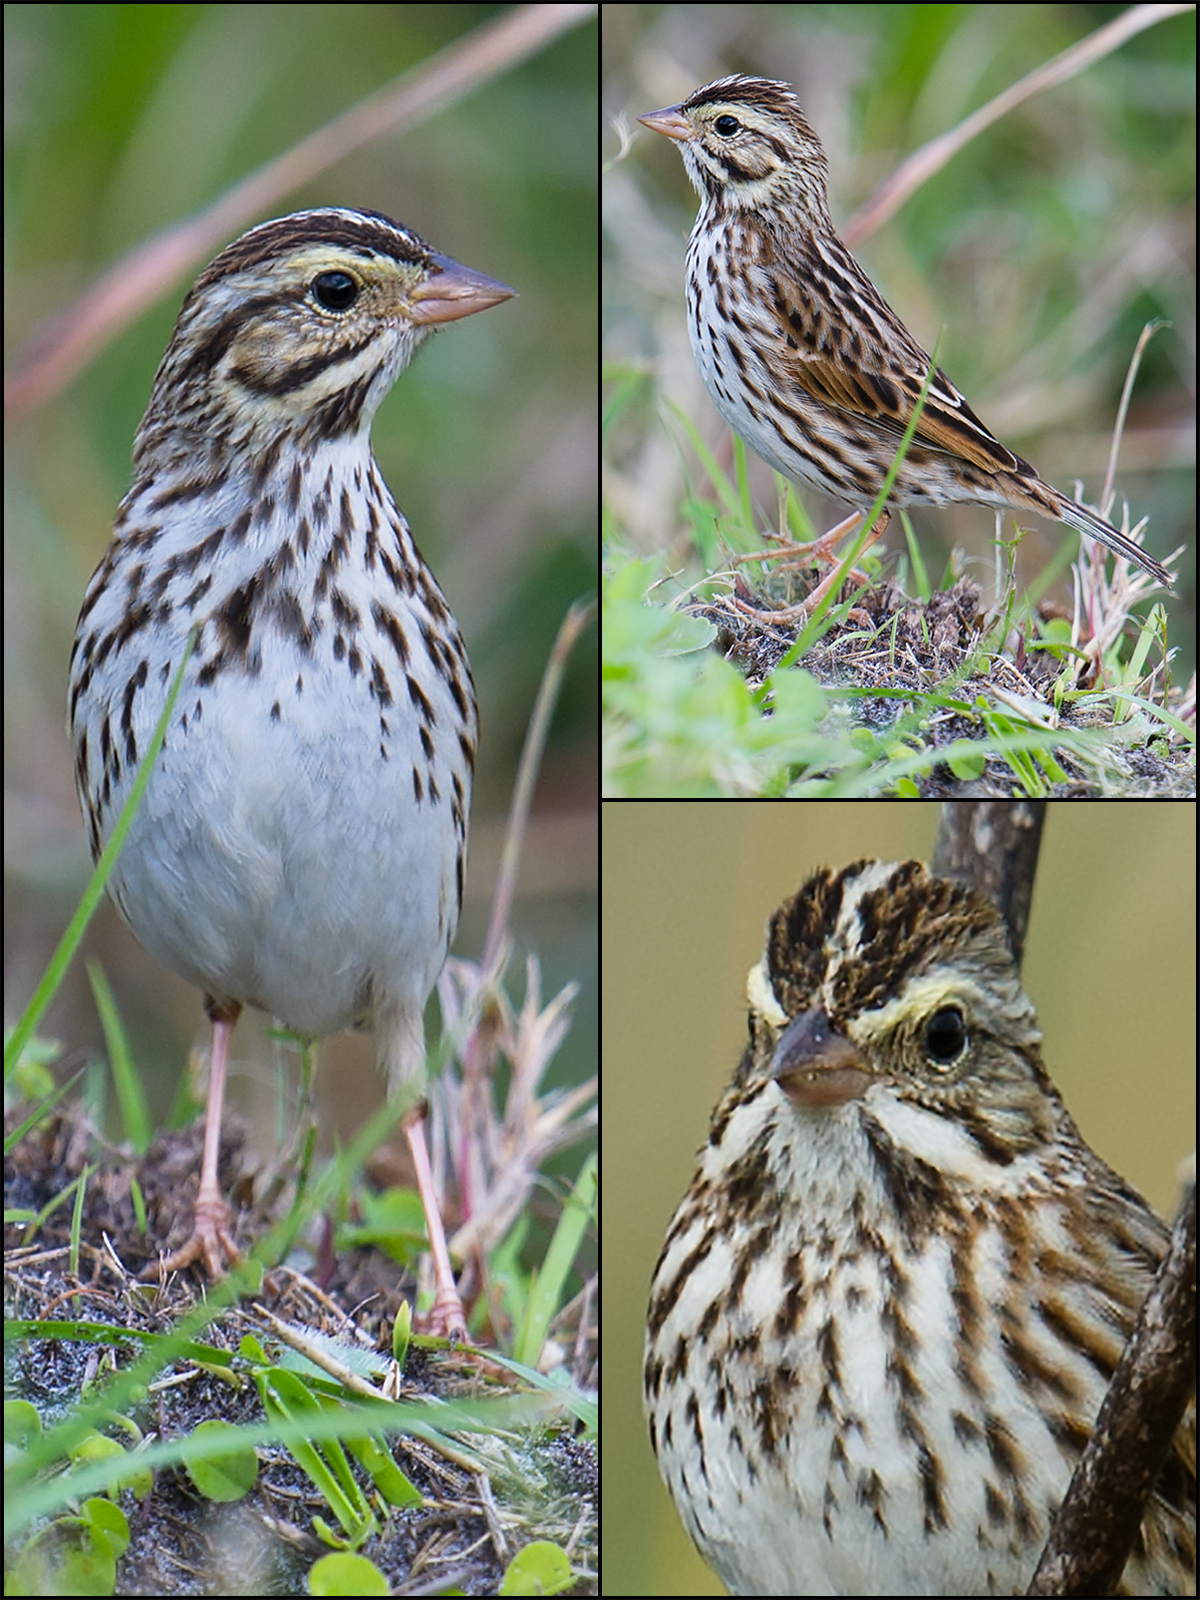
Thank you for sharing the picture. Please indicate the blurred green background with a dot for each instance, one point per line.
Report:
(1110, 965)
(122, 120)
(1037, 253)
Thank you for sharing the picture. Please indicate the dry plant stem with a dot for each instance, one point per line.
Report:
(479, 1052)
(62, 345)
(933, 156)
(1098, 1521)
(993, 845)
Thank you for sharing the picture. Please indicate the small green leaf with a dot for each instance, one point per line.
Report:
(228, 1476)
(541, 1568)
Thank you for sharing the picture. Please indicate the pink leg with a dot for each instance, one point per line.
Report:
(819, 550)
(211, 1240)
(447, 1315)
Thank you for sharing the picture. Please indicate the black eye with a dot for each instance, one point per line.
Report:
(945, 1035)
(727, 126)
(336, 291)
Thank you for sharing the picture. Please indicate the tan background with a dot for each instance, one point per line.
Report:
(687, 889)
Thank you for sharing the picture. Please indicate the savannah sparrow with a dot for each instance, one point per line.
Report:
(889, 1305)
(301, 844)
(800, 353)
